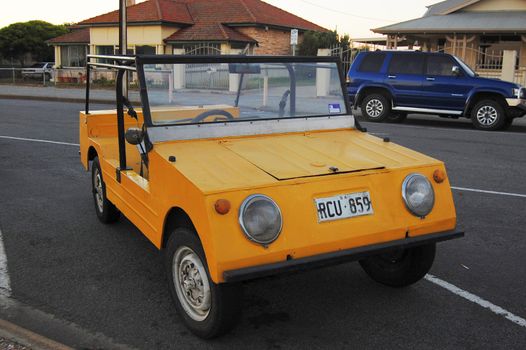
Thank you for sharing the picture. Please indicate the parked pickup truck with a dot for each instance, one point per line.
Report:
(230, 190)
(387, 85)
(38, 69)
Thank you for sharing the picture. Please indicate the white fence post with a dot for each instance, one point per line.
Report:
(179, 79)
(509, 59)
(323, 76)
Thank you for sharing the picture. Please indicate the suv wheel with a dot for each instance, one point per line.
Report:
(376, 107)
(488, 115)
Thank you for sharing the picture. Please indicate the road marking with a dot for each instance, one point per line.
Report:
(477, 300)
(489, 192)
(5, 282)
(38, 140)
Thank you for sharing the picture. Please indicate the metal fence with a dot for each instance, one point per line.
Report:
(15, 76)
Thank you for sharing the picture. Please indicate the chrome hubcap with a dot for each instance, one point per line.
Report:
(487, 115)
(99, 195)
(374, 108)
(191, 283)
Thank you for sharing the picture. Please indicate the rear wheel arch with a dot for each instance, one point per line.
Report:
(92, 153)
(373, 90)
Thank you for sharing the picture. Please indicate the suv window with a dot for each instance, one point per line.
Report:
(372, 63)
(407, 64)
(440, 65)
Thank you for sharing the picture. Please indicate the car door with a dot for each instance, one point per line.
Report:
(443, 88)
(405, 77)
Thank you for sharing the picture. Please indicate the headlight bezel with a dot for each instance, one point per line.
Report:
(242, 209)
(405, 184)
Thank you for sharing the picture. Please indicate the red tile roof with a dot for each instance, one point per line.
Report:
(167, 11)
(207, 20)
(77, 36)
(203, 31)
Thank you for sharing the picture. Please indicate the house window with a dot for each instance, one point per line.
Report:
(145, 50)
(106, 51)
(73, 55)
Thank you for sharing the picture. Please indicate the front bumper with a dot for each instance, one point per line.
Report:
(517, 102)
(334, 258)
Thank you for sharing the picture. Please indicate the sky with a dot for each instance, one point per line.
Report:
(354, 17)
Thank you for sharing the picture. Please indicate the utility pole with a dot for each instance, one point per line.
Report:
(123, 39)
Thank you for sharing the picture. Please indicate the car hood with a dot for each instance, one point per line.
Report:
(248, 162)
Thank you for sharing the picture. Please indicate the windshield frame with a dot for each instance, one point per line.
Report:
(469, 71)
(142, 60)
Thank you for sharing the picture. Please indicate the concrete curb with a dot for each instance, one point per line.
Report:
(28, 338)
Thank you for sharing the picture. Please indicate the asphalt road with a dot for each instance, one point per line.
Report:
(109, 281)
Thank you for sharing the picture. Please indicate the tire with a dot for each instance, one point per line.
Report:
(400, 268)
(375, 108)
(106, 211)
(220, 308)
(488, 115)
(398, 117)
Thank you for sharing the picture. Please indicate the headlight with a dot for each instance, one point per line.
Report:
(260, 219)
(517, 92)
(418, 194)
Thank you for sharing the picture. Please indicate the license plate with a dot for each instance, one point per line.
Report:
(344, 206)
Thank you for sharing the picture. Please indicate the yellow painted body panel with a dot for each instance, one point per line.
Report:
(284, 167)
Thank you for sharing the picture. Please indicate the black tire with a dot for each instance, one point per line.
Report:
(106, 211)
(488, 115)
(398, 117)
(400, 268)
(225, 300)
(375, 108)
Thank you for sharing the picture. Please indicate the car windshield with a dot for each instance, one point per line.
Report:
(181, 94)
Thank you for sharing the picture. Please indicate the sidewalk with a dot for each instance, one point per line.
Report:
(66, 94)
(13, 337)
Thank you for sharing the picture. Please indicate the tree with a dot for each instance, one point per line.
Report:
(312, 41)
(19, 40)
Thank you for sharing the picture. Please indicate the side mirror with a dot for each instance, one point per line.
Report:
(134, 136)
(456, 71)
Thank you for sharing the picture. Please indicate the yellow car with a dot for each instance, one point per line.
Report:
(241, 167)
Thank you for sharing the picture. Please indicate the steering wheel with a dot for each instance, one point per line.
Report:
(206, 114)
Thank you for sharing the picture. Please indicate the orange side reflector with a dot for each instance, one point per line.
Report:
(222, 206)
(439, 176)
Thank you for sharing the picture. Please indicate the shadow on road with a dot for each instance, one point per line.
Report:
(519, 124)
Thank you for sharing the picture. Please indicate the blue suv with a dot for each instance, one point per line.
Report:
(387, 85)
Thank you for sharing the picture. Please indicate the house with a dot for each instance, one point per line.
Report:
(194, 27)
(478, 31)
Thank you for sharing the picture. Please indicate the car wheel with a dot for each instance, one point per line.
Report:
(207, 309)
(106, 211)
(402, 267)
(398, 117)
(488, 115)
(375, 108)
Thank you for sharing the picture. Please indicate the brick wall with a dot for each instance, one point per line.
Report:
(271, 41)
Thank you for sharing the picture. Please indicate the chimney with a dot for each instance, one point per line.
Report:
(130, 3)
